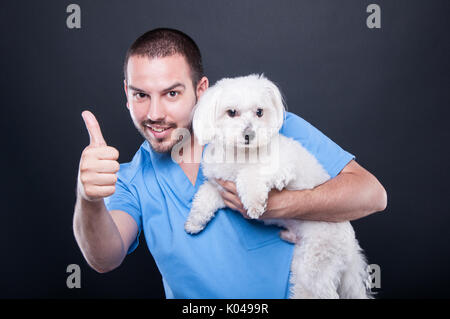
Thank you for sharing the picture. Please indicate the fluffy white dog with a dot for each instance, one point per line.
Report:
(239, 120)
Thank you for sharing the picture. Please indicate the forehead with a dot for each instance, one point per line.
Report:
(244, 94)
(155, 74)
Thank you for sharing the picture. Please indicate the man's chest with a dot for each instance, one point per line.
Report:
(191, 171)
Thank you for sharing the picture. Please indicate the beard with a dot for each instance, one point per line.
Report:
(163, 145)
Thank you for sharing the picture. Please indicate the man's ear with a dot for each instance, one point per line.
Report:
(125, 87)
(202, 86)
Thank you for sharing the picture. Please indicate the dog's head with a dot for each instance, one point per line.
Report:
(245, 112)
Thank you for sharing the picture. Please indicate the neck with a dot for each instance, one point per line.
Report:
(191, 151)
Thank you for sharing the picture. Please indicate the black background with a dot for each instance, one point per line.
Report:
(382, 94)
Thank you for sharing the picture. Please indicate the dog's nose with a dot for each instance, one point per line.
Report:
(249, 135)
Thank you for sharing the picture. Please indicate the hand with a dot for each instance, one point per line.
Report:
(277, 201)
(231, 198)
(98, 164)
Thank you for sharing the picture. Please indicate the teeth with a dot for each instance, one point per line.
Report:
(158, 129)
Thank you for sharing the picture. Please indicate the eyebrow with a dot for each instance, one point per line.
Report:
(164, 90)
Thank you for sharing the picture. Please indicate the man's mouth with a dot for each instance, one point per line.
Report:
(159, 131)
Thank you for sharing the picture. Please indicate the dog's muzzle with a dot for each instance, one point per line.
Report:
(249, 135)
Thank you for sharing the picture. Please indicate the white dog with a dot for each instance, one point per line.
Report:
(239, 119)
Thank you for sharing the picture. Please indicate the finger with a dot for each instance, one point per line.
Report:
(99, 179)
(107, 166)
(95, 191)
(229, 186)
(233, 207)
(218, 181)
(95, 134)
(232, 198)
(102, 153)
(101, 166)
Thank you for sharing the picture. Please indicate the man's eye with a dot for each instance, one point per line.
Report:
(231, 113)
(173, 93)
(140, 95)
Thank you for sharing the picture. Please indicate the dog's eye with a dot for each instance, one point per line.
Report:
(231, 113)
(259, 112)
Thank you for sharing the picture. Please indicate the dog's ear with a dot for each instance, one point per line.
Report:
(205, 114)
(278, 103)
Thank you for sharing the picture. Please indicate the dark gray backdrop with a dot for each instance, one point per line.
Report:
(382, 94)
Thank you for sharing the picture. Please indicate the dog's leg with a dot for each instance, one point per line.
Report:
(205, 204)
(315, 270)
(253, 192)
(283, 177)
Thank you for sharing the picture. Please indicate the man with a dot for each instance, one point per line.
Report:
(234, 256)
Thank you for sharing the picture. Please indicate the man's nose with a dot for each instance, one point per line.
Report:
(156, 111)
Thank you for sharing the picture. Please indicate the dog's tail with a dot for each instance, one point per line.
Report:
(355, 281)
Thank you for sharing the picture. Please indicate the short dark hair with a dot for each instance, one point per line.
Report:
(163, 42)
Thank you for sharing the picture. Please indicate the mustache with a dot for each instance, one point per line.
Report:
(150, 122)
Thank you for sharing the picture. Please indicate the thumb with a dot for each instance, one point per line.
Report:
(93, 128)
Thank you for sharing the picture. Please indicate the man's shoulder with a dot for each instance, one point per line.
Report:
(293, 119)
(295, 126)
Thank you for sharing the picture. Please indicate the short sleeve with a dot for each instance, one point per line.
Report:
(125, 200)
(330, 155)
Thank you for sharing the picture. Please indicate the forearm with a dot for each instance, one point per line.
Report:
(346, 197)
(97, 235)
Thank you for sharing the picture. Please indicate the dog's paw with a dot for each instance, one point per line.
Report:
(279, 185)
(283, 180)
(289, 236)
(193, 228)
(256, 211)
(255, 205)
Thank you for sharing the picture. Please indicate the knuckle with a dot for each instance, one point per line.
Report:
(84, 156)
(88, 191)
(84, 167)
(111, 190)
(91, 154)
(88, 151)
(114, 152)
(83, 178)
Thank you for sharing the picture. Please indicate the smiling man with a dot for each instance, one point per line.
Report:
(234, 257)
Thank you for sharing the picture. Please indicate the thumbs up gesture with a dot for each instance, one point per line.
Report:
(98, 164)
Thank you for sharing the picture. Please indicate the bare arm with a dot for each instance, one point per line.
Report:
(103, 237)
(354, 193)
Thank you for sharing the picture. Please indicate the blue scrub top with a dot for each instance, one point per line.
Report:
(232, 257)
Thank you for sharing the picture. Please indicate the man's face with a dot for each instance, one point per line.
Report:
(161, 97)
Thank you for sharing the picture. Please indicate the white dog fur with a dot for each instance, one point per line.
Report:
(327, 260)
